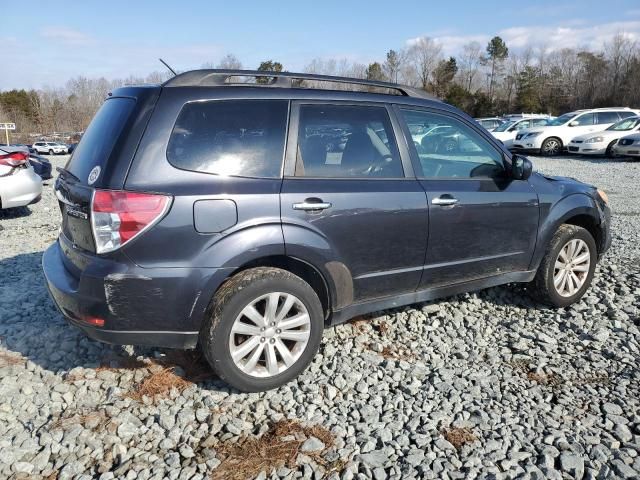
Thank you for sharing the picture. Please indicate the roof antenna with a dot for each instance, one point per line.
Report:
(167, 65)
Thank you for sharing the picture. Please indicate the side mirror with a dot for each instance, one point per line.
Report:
(512, 129)
(573, 124)
(521, 167)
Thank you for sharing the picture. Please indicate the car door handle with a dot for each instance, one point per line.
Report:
(444, 200)
(310, 205)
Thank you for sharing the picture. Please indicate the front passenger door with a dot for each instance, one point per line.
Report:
(481, 221)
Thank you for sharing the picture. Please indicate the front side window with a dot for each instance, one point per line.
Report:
(540, 122)
(232, 137)
(346, 141)
(523, 125)
(607, 117)
(451, 149)
(584, 120)
(562, 119)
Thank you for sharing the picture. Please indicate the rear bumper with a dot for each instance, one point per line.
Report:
(161, 307)
(21, 188)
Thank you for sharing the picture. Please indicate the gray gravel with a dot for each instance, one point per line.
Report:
(539, 393)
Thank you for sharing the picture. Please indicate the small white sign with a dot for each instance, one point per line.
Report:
(7, 126)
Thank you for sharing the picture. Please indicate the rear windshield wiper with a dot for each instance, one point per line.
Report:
(67, 172)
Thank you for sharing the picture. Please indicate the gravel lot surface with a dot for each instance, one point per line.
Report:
(484, 385)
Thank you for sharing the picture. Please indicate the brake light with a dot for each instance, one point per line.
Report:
(14, 159)
(118, 216)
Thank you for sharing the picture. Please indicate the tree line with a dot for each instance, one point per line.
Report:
(481, 80)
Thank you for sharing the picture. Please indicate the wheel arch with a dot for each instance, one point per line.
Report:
(306, 271)
(577, 209)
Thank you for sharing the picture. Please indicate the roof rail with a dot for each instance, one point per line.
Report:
(219, 78)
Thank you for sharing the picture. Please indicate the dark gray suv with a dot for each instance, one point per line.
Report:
(244, 217)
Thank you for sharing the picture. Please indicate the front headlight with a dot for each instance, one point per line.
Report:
(594, 140)
(533, 134)
(603, 196)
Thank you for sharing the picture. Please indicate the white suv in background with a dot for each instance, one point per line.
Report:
(51, 148)
(554, 137)
(507, 132)
(601, 143)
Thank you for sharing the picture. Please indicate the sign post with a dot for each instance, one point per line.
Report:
(6, 127)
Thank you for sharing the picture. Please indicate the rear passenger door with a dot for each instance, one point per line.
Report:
(350, 201)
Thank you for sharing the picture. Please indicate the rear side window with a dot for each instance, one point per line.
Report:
(607, 117)
(100, 137)
(342, 141)
(232, 137)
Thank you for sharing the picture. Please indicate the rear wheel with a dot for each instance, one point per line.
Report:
(264, 329)
(551, 146)
(50, 152)
(566, 271)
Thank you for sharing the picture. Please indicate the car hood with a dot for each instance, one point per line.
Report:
(568, 184)
(603, 133)
(539, 129)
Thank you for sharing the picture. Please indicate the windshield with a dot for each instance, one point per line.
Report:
(626, 124)
(504, 126)
(562, 119)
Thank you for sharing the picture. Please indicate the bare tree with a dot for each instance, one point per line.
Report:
(424, 55)
(230, 62)
(469, 64)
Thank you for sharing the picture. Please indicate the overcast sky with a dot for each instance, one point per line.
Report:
(45, 43)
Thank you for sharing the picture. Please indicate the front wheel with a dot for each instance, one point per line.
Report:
(50, 152)
(264, 329)
(551, 146)
(566, 271)
(609, 151)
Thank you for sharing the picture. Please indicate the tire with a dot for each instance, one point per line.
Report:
(543, 289)
(50, 152)
(551, 146)
(219, 334)
(609, 152)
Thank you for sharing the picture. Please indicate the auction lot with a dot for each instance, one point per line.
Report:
(486, 385)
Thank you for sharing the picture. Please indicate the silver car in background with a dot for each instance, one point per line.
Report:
(19, 184)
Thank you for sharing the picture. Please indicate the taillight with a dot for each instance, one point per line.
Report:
(14, 159)
(118, 216)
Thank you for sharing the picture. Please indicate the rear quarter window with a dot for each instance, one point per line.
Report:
(100, 137)
(230, 137)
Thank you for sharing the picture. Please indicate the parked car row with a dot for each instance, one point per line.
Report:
(595, 131)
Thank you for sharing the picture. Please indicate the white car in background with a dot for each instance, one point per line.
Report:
(19, 184)
(507, 132)
(628, 146)
(50, 148)
(490, 123)
(601, 143)
(554, 137)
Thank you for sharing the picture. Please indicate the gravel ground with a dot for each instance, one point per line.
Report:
(483, 385)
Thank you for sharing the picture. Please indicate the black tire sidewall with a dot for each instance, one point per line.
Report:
(216, 342)
(560, 241)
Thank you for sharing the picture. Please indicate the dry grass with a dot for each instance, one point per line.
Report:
(278, 447)
(195, 367)
(360, 324)
(7, 359)
(384, 328)
(92, 420)
(458, 436)
(551, 379)
(158, 384)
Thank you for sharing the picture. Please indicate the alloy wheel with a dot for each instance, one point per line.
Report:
(270, 334)
(551, 147)
(572, 267)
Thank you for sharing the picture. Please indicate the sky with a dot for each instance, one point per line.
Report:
(43, 44)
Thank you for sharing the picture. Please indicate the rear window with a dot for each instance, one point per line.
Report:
(100, 137)
(231, 137)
